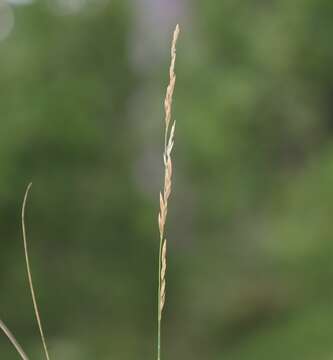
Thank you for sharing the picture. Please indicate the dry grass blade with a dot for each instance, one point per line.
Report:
(29, 274)
(165, 194)
(14, 342)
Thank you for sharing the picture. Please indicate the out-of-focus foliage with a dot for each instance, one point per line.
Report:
(250, 230)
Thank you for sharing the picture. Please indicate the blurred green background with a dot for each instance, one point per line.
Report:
(250, 270)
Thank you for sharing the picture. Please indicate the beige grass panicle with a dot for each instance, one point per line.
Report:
(166, 192)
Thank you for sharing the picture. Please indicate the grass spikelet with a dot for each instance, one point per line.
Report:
(165, 194)
(163, 281)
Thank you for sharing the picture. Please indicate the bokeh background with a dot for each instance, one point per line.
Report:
(250, 230)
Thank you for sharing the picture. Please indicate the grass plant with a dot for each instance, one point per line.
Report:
(169, 133)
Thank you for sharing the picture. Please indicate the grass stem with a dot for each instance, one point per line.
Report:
(12, 339)
(30, 276)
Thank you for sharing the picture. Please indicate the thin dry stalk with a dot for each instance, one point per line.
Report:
(29, 274)
(14, 342)
(165, 194)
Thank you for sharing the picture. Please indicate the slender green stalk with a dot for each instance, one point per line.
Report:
(158, 302)
(29, 274)
(14, 342)
(165, 194)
